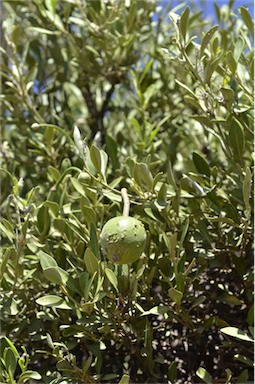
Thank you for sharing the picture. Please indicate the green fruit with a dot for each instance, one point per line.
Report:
(84, 177)
(123, 239)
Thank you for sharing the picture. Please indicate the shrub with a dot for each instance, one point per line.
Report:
(102, 95)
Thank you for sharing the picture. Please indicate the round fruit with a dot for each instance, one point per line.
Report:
(84, 177)
(123, 239)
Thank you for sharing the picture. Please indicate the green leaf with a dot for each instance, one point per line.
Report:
(87, 363)
(112, 150)
(53, 206)
(186, 88)
(247, 19)
(77, 185)
(95, 157)
(4, 261)
(88, 213)
(55, 174)
(172, 372)
(206, 39)
(191, 186)
(243, 377)
(231, 62)
(244, 359)
(204, 375)
(94, 241)
(51, 5)
(91, 262)
(210, 69)
(170, 175)
(77, 21)
(110, 376)
(184, 20)
(147, 95)
(12, 346)
(125, 379)
(43, 220)
(229, 97)
(217, 11)
(201, 165)
(250, 316)
(114, 183)
(11, 307)
(53, 301)
(112, 196)
(140, 272)
(179, 278)
(229, 375)
(46, 260)
(202, 228)
(157, 310)
(237, 333)
(230, 299)
(7, 230)
(84, 282)
(29, 375)
(56, 275)
(32, 74)
(43, 31)
(238, 49)
(16, 34)
(247, 189)
(193, 101)
(99, 158)
(175, 295)
(236, 140)
(203, 120)
(142, 173)
(64, 365)
(162, 195)
(111, 276)
(10, 360)
(145, 70)
(184, 231)
(199, 300)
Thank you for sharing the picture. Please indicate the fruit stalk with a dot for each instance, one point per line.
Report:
(126, 202)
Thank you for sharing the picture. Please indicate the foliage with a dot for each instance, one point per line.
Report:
(101, 95)
(11, 360)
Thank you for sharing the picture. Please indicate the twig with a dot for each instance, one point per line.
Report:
(126, 202)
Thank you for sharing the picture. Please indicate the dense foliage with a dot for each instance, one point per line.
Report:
(100, 95)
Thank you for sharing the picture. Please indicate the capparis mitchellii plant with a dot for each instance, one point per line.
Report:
(110, 104)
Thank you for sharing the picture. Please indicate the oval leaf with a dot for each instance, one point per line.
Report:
(46, 260)
(29, 375)
(184, 22)
(125, 379)
(56, 275)
(204, 375)
(237, 333)
(206, 39)
(91, 262)
(236, 140)
(112, 278)
(201, 165)
(53, 301)
(175, 295)
(95, 157)
(247, 19)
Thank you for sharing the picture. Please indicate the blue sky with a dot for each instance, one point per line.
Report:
(208, 7)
